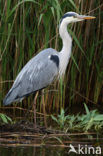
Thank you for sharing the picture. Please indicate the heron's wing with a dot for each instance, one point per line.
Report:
(38, 73)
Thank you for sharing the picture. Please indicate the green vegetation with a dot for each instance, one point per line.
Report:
(5, 119)
(29, 26)
(91, 121)
(62, 119)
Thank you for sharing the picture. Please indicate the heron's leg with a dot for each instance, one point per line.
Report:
(34, 105)
(44, 111)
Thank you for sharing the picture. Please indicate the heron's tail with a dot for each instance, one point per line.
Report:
(10, 97)
(7, 100)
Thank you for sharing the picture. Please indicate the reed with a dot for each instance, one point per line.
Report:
(28, 26)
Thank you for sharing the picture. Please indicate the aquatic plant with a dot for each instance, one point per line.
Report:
(90, 121)
(61, 119)
(5, 119)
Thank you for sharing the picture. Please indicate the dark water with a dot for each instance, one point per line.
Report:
(31, 151)
(54, 147)
(39, 151)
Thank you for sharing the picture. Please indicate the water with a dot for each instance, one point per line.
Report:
(27, 144)
(30, 151)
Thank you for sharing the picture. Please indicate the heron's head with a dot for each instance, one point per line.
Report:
(71, 17)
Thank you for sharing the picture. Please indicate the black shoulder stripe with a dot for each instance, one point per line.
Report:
(55, 59)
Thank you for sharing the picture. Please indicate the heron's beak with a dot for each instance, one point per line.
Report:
(85, 17)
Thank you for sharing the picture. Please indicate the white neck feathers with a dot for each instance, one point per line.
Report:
(65, 53)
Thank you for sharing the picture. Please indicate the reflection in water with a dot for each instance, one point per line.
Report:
(31, 151)
(42, 151)
(29, 144)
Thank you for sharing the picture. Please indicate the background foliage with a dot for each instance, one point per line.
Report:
(28, 26)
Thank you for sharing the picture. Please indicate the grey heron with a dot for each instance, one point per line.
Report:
(49, 64)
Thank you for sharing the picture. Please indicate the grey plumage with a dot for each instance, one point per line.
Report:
(34, 76)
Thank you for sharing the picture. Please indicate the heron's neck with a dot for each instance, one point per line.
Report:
(67, 45)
